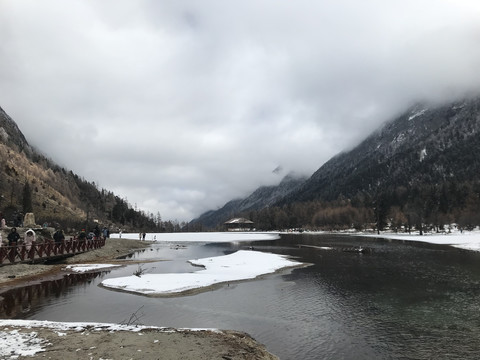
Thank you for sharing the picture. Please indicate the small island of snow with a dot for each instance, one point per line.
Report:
(81, 268)
(241, 265)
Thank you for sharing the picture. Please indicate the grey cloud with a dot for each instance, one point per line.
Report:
(180, 106)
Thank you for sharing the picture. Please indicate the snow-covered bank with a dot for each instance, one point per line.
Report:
(81, 268)
(15, 344)
(208, 237)
(468, 240)
(59, 341)
(241, 265)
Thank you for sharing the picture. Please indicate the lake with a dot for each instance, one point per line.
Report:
(399, 300)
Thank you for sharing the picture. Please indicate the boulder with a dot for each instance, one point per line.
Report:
(29, 220)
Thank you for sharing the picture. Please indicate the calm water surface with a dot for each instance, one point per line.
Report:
(403, 300)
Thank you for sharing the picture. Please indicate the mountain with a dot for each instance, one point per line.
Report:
(11, 135)
(262, 197)
(425, 146)
(421, 166)
(29, 181)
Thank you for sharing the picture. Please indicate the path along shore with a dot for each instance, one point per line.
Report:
(178, 344)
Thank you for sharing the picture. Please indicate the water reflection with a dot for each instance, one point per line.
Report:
(20, 302)
(406, 300)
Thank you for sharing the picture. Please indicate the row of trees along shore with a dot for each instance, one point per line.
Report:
(401, 208)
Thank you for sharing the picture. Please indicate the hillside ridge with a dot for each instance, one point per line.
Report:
(31, 182)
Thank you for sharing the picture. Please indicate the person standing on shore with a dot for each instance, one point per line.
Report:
(105, 233)
(30, 238)
(96, 231)
(82, 236)
(58, 237)
(13, 237)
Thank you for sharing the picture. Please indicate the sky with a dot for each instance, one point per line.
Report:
(180, 106)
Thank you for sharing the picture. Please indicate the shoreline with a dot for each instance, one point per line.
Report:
(13, 275)
(95, 341)
(466, 240)
(21, 273)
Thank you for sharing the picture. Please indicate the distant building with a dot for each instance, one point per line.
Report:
(239, 224)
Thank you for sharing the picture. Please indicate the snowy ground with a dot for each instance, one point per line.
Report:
(244, 265)
(22, 339)
(88, 267)
(241, 265)
(15, 343)
(209, 237)
(468, 240)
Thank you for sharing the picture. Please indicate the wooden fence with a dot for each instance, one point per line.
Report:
(49, 250)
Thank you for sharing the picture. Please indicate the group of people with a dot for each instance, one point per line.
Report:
(14, 237)
(95, 233)
(29, 237)
(17, 220)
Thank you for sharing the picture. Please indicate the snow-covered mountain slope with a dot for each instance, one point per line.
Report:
(426, 145)
(262, 197)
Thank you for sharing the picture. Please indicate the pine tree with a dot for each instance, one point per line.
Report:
(27, 198)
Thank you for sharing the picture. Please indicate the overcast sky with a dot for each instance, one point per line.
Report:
(180, 106)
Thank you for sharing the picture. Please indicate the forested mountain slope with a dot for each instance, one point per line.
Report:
(420, 169)
(262, 197)
(425, 146)
(29, 181)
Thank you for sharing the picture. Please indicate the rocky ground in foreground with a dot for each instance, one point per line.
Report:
(146, 344)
